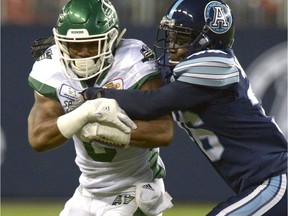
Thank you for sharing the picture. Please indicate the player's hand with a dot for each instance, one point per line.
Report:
(40, 46)
(104, 134)
(107, 111)
(100, 110)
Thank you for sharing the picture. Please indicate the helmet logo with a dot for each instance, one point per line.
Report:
(218, 17)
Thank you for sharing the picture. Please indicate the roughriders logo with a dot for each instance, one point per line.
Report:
(114, 84)
(218, 17)
(46, 55)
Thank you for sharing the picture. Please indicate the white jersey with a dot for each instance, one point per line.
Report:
(104, 170)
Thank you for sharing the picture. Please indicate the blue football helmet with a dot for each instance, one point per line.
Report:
(208, 25)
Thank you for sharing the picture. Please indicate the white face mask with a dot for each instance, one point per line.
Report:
(87, 68)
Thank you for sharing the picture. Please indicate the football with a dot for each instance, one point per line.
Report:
(108, 144)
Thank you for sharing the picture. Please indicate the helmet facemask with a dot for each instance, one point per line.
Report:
(195, 41)
(89, 67)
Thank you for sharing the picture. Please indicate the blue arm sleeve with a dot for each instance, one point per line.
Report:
(149, 104)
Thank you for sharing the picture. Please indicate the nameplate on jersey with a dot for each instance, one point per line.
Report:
(68, 92)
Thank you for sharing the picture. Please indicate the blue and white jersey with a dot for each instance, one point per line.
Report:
(243, 144)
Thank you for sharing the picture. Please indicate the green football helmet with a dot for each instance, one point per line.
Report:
(87, 21)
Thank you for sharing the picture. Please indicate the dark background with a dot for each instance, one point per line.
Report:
(27, 174)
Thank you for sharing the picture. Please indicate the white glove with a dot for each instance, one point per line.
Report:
(101, 110)
(109, 112)
(99, 132)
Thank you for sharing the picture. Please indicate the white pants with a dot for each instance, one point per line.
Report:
(83, 203)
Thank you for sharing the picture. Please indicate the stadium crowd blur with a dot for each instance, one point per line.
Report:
(248, 13)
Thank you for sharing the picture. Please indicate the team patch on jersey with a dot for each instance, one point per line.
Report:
(218, 17)
(114, 84)
(123, 199)
(68, 92)
(46, 55)
(147, 53)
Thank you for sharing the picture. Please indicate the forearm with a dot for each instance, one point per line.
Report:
(153, 133)
(46, 136)
(43, 134)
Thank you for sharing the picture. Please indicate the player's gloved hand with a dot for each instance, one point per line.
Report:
(40, 46)
(99, 110)
(109, 112)
(104, 134)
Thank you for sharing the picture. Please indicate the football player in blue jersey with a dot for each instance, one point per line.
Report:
(212, 100)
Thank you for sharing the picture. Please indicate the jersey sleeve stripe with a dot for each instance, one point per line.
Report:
(208, 80)
(42, 88)
(206, 62)
(212, 76)
(208, 71)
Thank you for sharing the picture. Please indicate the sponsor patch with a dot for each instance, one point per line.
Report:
(114, 84)
(68, 92)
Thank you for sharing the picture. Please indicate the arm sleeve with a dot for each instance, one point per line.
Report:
(150, 104)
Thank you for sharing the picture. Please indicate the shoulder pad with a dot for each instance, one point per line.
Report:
(132, 48)
(209, 68)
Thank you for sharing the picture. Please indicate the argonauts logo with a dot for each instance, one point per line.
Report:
(218, 17)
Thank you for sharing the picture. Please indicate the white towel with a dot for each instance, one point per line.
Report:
(151, 200)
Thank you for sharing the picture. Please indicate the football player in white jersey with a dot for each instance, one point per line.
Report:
(122, 179)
